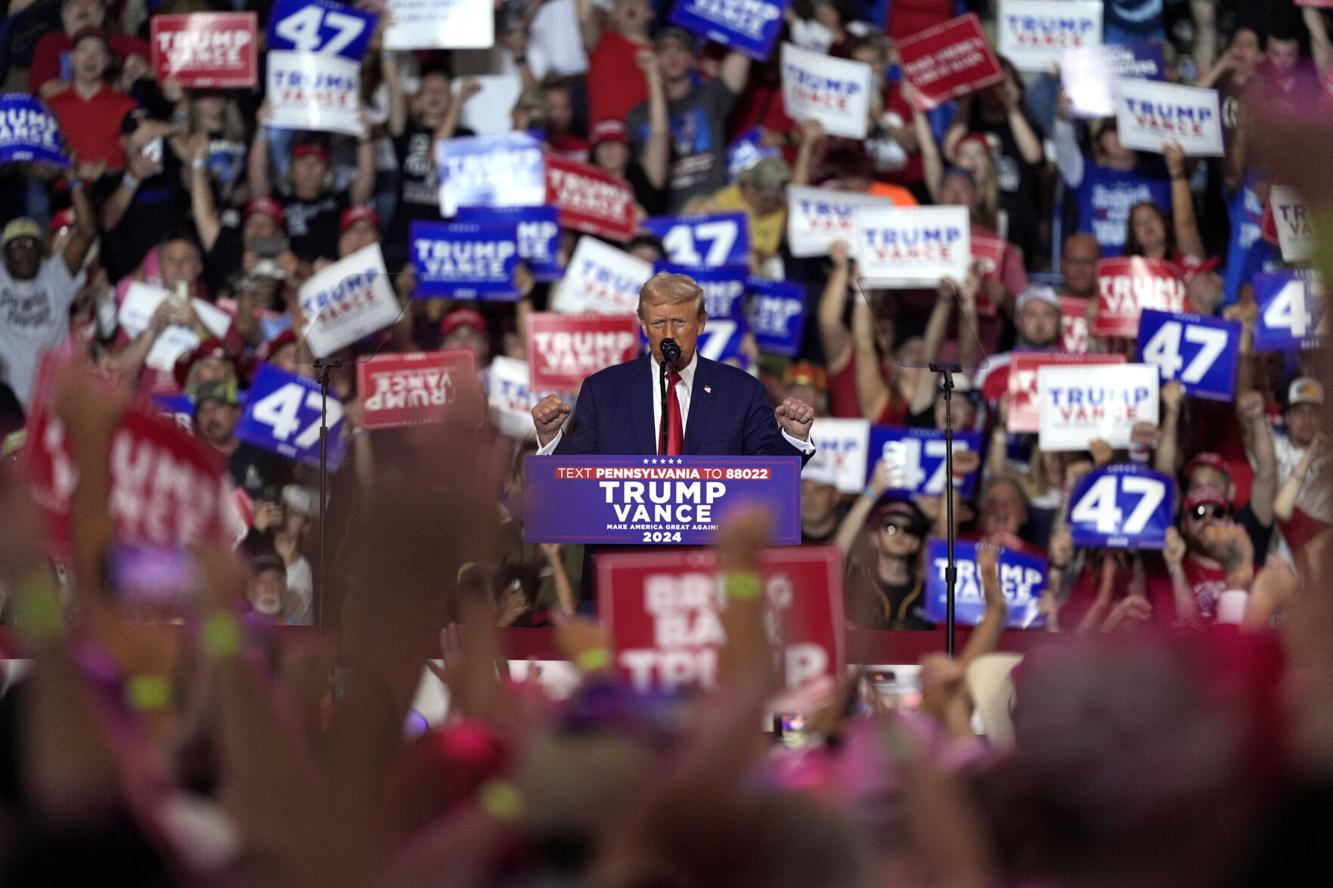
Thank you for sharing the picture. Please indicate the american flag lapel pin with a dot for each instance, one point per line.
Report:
(708, 389)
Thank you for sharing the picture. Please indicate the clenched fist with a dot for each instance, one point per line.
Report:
(548, 416)
(794, 415)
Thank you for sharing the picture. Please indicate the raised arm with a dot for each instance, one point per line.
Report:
(931, 162)
(1284, 504)
(1028, 143)
(655, 156)
(936, 327)
(364, 187)
(833, 333)
(855, 519)
(987, 632)
(872, 390)
(811, 132)
(257, 165)
(1068, 157)
(205, 213)
(1167, 458)
(735, 72)
(1259, 443)
(1188, 240)
(393, 85)
(85, 219)
(590, 24)
(1320, 49)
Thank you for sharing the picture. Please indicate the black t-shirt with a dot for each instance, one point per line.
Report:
(258, 470)
(698, 141)
(224, 258)
(312, 225)
(1018, 180)
(418, 187)
(160, 206)
(866, 598)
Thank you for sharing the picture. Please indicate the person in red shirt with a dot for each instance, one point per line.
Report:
(616, 83)
(51, 71)
(90, 111)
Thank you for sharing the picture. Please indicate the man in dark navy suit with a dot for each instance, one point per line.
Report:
(712, 408)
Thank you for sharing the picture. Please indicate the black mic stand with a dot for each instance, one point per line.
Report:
(946, 372)
(663, 426)
(322, 368)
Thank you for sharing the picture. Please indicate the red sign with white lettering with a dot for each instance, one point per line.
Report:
(1074, 324)
(563, 350)
(167, 487)
(206, 49)
(1024, 414)
(663, 614)
(1129, 284)
(950, 60)
(589, 199)
(410, 389)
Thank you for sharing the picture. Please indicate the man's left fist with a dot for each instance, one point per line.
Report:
(795, 417)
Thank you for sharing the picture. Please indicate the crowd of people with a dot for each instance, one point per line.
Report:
(200, 746)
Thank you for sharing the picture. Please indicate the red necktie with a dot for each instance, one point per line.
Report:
(675, 425)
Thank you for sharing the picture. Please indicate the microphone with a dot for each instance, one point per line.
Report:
(670, 352)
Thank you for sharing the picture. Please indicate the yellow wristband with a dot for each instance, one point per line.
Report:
(221, 634)
(501, 800)
(740, 585)
(146, 693)
(593, 659)
(37, 607)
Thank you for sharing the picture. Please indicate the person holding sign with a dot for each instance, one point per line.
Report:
(712, 408)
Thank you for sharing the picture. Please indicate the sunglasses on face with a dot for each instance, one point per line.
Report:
(894, 529)
(1208, 510)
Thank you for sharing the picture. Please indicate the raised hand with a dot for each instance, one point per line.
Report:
(794, 415)
(548, 415)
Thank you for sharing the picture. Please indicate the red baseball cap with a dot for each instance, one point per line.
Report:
(353, 215)
(310, 149)
(1211, 460)
(1204, 495)
(608, 131)
(266, 351)
(1192, 266)
(463, 317)
(265, 206)
(209, 348)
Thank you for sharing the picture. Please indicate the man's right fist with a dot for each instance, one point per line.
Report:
(549, 415)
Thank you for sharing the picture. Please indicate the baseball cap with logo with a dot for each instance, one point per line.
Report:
(353, 215)
(608, 131)
(1304, 390)
(463, 317)
(215, 391)
(21, 227)
(1039, 293)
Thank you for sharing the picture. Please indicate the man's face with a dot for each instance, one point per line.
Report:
(676, 59)
(1245, 48)
(1283, 54)
(357, 237)
(1302, 423)
(1078, 264)
(23, 258)
(267, 589)
(89, 59)
(1194, 522)
(78, 14)
(560, 111)
(1003, 510)
(1039, 323)
(1207, 476)
(764, 202)
(216, 422)
(212, 369)
(180, 263)
(469, 337)
(817, 502)
(308, 172)
(682, 322)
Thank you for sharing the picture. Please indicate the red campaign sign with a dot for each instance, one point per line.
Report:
(988, 259)
(661, 609)
(1024, 413)
(167, 487)
(206, 49)
(1074, 324)
(949, 60)
(589, 199)
(1129, 284)
(563, 350)
(410, 389)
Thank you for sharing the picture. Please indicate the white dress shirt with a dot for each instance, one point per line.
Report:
(683, 389)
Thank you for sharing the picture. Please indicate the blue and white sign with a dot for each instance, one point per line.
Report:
(310, 91)
(1200, 352)
(1122, 506)
(1033, 33)
(320, 26)
(817, 218)
(464, 260)
(749, 26)
(283, 415)
(176, 408)
(1150, 114)
(349, 299)
(1291, 311)
(1088, 74)
(724, 300)
(490, 171)
(1082, 404)
(28, 132)
(840, 453)
(776, 315)
(601, 280)
(1145, 61)
(917, 458)
(1022, 580)
(633, 500)
(747, 151)
(836, 92)
(538, 235)
(703, 241)
(912, 246)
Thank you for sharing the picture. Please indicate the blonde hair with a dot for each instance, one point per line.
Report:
(664, 288)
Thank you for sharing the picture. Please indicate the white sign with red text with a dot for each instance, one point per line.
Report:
(1150, 114)
(563, 350)
(1033, 33)
(1023, 415)
(841, 446)
(314, 91)
(836, 92)
(912, 246)
(601, 279)
(817, 218)
(1295, 236)
(348, 300)
(440, 24)
(412, 388)
(1128, 284)
(1079, 405)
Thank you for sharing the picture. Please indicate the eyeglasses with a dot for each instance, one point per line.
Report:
(1208, 510)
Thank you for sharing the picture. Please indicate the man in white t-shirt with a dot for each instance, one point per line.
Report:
(1305, 404)
(35, 294)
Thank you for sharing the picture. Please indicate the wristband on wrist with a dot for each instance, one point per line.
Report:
(129, 182)
(198, 163)
(501, 800)
(75, 185)
(37, 607)
(147, 693)
(221, 634)
(593, 659)
(740, 585)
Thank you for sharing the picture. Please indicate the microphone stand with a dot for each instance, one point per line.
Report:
(322, 368)
(662, 426)
(946, 372)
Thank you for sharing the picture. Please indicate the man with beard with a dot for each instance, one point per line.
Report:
(216, 414)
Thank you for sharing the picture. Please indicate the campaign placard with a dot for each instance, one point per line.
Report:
(842, 444)
(1127, 285)
(1121, 506)
(168, 488)
(589, 199)
(836, 92)
(1022, 580)
(563, 350)
(775, 312)
(29, 133)
(749, 26)
(1202, 352)
(312, 91)
(724, 300)
(1034, 33)
(506, 170)
(1295, 236)
(1088, 74)
(411, 388)
(663, 612)
(601, 280)
(440, 24)
(1151, 114)
(918, 458)
(511, 398)
(912, 246)
(538, 235)
(1081, 404)
(949, 60)
(1292, 314)
(284, 413)
(136, 313)
(817, 218)
(637, 500)
(213, 50)
(465, 260)
(1023, 415)
(321, 26)
(349, 299)
(707, 240)
(1074, 324)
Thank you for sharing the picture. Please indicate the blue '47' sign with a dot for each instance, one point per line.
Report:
(917, 457)
(282, 415)
(320, 26)
(704, 241)
(1291, 312)
(1200, 352)
(1121, 505)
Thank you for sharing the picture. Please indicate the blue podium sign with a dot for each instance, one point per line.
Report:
(638, 500)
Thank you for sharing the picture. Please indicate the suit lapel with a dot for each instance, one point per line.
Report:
(701, 404)
(641, 411)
